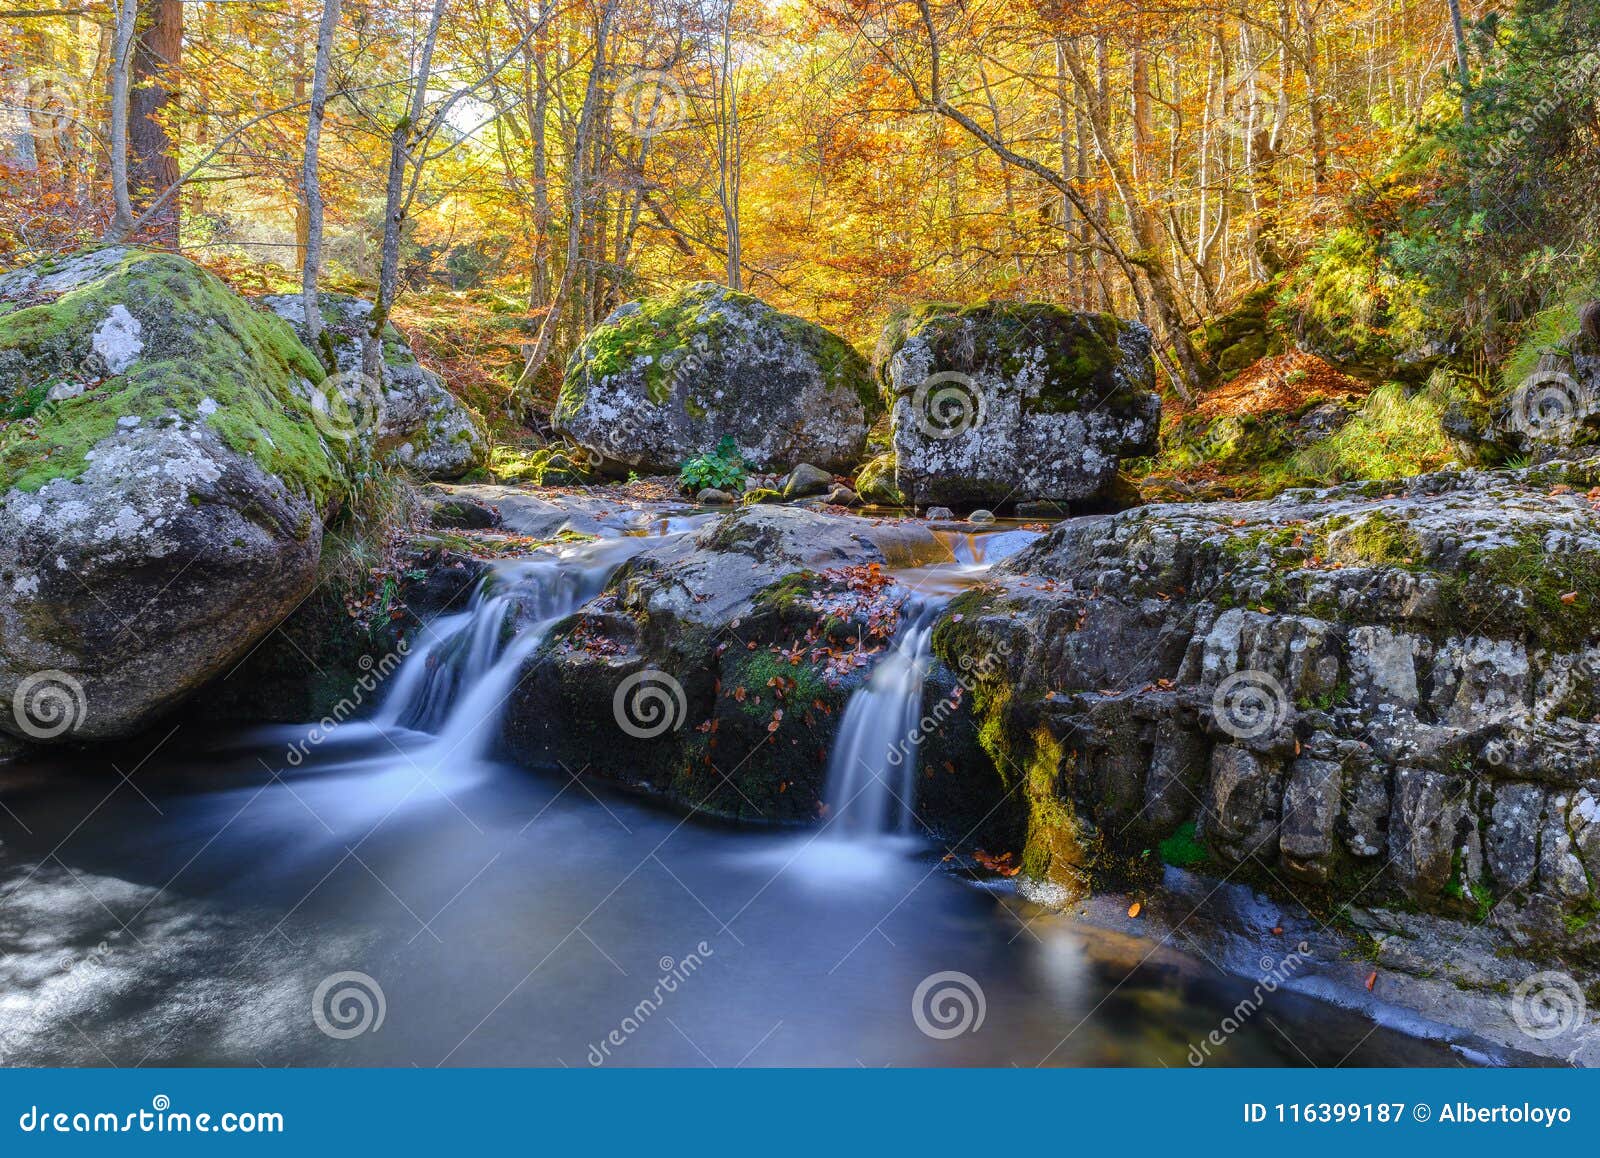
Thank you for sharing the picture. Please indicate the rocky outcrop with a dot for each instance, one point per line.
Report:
(1009, 402)
(714, 669)
(413, 421)
(664, 379)
(165, 473)
(1380, 691)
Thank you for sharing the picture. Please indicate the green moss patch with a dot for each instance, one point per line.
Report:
(200, 341)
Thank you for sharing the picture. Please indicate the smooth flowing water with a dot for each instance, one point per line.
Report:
(399, 897)
(872, 772)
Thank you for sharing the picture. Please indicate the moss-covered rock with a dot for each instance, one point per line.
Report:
(165, 468)
(413, 421)
(742, 634)
(1244, 334)
(1381, 691)
(1346, 304)
(664, 379)
(1009, 401)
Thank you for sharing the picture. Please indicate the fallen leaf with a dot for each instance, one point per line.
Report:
(1133, 909)
(1570, 597)
(1372, 979)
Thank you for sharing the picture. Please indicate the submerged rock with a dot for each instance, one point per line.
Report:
(1008, 402)
(163, 490)
(416, 423)
(664, 379)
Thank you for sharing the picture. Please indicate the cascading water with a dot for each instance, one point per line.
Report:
(455, 685)
(872, 774)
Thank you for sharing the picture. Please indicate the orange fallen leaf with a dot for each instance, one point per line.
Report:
(1133, 909)
(1372, 979)
(1570, 597)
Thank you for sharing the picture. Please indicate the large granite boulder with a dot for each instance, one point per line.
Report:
(165, 469)
(413, 421)
(664, 379)
(1015, 402)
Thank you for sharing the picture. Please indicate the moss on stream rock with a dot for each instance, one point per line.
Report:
(664, 379)
(164, 476)
(1014, 401)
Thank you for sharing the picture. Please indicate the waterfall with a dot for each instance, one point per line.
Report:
(456, 683)
(872, 773)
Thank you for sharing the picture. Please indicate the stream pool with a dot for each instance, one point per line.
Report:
(185, 905)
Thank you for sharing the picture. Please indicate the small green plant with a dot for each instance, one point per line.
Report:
(723, 469)
(1183, 848)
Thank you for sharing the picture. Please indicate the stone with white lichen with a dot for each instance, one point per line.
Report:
(161, 495)
(1008, 402)
(664, 379)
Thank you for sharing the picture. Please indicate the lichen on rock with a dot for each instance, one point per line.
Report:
(1014, 402)
(163, 483)
(420, 425)
(664, 379)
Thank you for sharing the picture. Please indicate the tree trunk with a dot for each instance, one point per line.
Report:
(311, 266)
(395, 201)
(157, 54)
(121, 67)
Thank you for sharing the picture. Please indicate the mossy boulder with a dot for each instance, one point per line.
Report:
(714, 669)
(1381, 693)
(164, 474)
(1005, 401)
(1244, 335)
(664, 379)
(414, 421)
